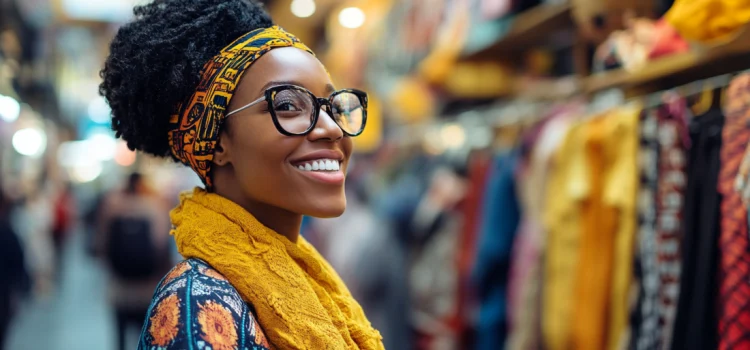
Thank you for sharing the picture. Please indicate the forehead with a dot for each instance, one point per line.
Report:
(287, 65)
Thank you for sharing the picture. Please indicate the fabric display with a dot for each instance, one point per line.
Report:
(624, 229)
(700, 250)
(708, 20)
(734, 321)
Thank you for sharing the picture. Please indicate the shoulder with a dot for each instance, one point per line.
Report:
(194, 306)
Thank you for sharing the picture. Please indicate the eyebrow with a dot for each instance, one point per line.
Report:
(329, 88)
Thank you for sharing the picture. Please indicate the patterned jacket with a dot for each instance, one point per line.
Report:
(195, 307)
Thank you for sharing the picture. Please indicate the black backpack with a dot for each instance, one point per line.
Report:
(131, 251)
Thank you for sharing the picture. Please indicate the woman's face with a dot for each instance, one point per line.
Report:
(263, 163)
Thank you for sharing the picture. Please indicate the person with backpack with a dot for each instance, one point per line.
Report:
(133, 242)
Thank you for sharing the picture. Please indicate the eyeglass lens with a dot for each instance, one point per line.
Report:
(294, 110)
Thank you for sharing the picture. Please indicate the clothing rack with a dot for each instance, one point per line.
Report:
(512, 113)
(693, 88)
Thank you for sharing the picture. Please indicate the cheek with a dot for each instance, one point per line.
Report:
(264, 159)
(347, 146)
(259, 156)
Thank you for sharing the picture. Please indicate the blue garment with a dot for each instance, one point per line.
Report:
(195, 307)
(499, 223)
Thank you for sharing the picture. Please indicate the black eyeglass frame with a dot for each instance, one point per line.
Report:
(318, 103)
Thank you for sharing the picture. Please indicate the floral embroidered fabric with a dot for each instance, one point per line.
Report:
(195, 307)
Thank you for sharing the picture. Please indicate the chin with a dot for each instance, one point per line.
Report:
(329, 211)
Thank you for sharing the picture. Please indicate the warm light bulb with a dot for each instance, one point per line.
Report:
(303, 8)
(352, 17)
(453, 136)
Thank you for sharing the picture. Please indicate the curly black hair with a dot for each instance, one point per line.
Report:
(155, 62)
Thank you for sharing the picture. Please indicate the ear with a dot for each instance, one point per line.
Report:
(222, 154)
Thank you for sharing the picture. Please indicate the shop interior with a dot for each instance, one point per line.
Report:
(534, 174)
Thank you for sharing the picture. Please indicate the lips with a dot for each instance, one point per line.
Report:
(324, 166)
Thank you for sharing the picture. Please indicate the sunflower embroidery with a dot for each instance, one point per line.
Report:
(164, 322)
(217, 325)
(176, 272)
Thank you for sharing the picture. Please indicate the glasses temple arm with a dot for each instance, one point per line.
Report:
(259, 100)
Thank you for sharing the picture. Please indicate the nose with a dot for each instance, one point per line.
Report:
(325, 128)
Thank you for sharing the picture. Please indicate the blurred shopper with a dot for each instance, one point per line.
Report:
(13, 275)
(62, 224)
(134, 232)
(433, 272)
(351, 243)
(217, 86)
(33, 222)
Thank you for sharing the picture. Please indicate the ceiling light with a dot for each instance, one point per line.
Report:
(453, 136)
(9, 108)
(86, 172)
(352, 17)
(30, 142)
(303, 8)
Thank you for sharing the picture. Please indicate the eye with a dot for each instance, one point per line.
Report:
(286, 106)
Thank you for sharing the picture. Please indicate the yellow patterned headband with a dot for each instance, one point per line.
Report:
(194, 128)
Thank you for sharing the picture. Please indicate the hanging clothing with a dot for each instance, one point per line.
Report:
(673, 143)
(734, 324)
(620, 192)
(602, 273)
(661, 228)
(696, 311)
(499, 225)
(524, 286)
(562, 222)
(471, 207)
(645, 316)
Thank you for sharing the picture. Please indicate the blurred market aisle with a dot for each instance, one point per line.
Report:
(77, 316)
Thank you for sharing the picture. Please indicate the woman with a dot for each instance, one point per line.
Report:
(215, 85)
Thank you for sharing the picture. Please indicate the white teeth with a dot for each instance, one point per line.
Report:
(320, 165)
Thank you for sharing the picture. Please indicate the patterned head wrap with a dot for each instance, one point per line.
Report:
(194, 128)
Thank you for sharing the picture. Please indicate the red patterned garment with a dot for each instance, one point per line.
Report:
(670, 198)
(734, 308)
(645, 315)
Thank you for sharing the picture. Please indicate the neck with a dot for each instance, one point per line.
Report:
(282, 221)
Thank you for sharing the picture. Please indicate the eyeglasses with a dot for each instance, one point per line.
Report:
(295, 110)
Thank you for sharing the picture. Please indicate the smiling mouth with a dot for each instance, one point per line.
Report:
(319, 165)
(326, 171)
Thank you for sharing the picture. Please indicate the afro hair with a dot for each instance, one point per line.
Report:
(155, 62)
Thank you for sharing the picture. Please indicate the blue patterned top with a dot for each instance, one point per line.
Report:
(195, 307)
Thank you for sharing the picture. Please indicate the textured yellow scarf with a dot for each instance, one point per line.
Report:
(300, 301)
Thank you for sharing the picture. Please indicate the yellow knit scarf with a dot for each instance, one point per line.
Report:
(299, 300)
